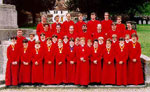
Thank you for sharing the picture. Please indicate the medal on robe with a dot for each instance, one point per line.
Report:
(49, 48)
(25, 49)
(13, 47)
(134, 44)
(108, 50)
(95, 50)
(60, 50)
(122, 47)
(37, 51)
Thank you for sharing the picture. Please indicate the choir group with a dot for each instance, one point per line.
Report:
(96, 52)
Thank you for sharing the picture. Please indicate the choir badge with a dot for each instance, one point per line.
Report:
(121, 50)
(60, 51)
(95, 51)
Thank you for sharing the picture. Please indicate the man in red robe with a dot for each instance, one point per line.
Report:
(99, 32)
(49, 54)
(47, 30)
(101, 43)
(71, 62)
(59, 32)
(82, 68)
(106, 23)
(60, 56)
(72, 33)
(108, 71)
(31, 42)
(135, 71)
(55, 23)
(80, 23)
(68, 23)
(25, 65)
(12, 68)
(96, 67)
(121, 62)
(92, 24)
(37, 63)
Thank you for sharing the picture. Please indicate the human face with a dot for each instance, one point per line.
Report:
(71, 43)
(95, 44)
(121, 42)
(68, 17)
(93, 17)
(80, 18)
(84, 28)
(31, 37)
(106, 16)
(129, 26)
(134, 39)
(46, 28)
(99, 26)
(108, 44)
(57, 19)
(25, 45)
(49, 42)
(42, 37)
(43, 19)
(54, 39)
(119, 20)
(113, 27)
(19, 33)
(71, 29)
(82, 42)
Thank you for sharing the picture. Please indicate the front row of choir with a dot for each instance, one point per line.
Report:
(115, 64)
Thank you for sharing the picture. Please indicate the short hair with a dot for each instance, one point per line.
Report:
(56, 16)
(58, 25)
(80, 14)
(48, 38)
(114, 23)
(54, 36)
(95, 40)
(13, 37)
(93, 13)
(134, 35)
(71, 39)
(109, 40)
(84, 25)
(82, 38)
(37, 42)
(60, 40)
(119, 16)
(67, 14)
(114, 36)
(128, 22)
(25, 41)
(42, 34)
(121, 39)
(19, 30)
(65, 37)
(46, 24)
(32, 34)
(106, 12)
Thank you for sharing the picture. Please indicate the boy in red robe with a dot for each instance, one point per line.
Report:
(121, 62)
(42, 39)
(49, 62)
(108, 71)
(135, 71)
(55, 23)
(99, 32)
(71, 62)
(101, 42)
(96, 68)
(113, 31)
(11, 78)
(47, 30)
(61, 53)
(59, 32)
(25, 66)
(31, 42)
(54, 41)
(37, 64)
(72, 33)
(82, 68)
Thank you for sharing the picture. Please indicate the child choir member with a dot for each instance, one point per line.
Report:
(31, 41)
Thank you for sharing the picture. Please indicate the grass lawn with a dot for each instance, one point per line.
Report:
(144, 38)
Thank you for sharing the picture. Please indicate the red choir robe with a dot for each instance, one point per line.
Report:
(66, 26)
(121, 29)
(65, 44)
(60, 35)
(43, 43)
(73, 35)
(82, 68)
(37, 70)
(12, 71)
(71, 68)
(87, 35)
(39, 29)
(79, 25)
(97, 35)
(111, 33)
(25, 70)
(49, 53)
(135, 71)
(106, 26)
(130, 32)
(31, 44)
(60, 72)
(54, 26)
(92, 26)
(121, 69)
(96, 69)
(108, 71)
(19, 41)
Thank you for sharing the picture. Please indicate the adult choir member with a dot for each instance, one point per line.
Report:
(55, 23)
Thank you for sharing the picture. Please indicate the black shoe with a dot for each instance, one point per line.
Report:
(85, 86)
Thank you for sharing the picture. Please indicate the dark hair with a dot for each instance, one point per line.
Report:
(13, 37)
(54, 36)
(95, 40)
(49, 38)
(121, 39)
(42, 34)
(134, 35)
(71, 39)
(25, 41)
(93, 13)
(109, 40)
(45, 24)
(84, 25)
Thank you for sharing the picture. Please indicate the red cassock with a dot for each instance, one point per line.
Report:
(66, 26)
(97, 35)
(111, 33)
(19, 41)
(96, 69)
(73, 35)
(49, 72)
(135, 71)
(37, 70)
(92, 26)
(108, 71)
(39, 29)
(43, 43)
(121, 29)
(12, 71)
(121, 69)
(130, 32)
(79, 25)
(82, 68)
(31, 44)
(25, 70)
(71, 68)
(54, 26)
(87, 35)
(60, 73)
(106, 25)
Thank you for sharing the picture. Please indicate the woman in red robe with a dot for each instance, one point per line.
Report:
(60, 73)
(82, 69)
(96, 68)
(49, 62)
(25, 66)
(71, 62)
(121, 62)
(135, 71)
(108, 71)
(37, 63)
(12, 67)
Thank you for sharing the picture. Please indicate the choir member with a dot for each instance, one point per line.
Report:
(82, 68)
(42, 39)
(121, 62)
(113, 31)
(127, 38)
(99, 32)
(47, 30)
(71, 62)
(20, 38)
(54, 40)
(60, 73)
(135, 71)
(92, 24)
(129, 30)
(96, 68)
(31, 41)
(89, 45)
(11, 78)
(108, 70)
(55, 23)
(72, 33)
(49, 53)
(65, 41)
(37, 64)
(25, 64)
(106, 23)
(101, 43)
(77, 41)
(59, 32)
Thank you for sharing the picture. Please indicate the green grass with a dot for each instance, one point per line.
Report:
(144, 38)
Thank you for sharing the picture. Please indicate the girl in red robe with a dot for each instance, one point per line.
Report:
(135, 71)
(60, 73)
(25, 66)
(71, 62)
(96, 69)
(108, 71)
(37, 63)
(121, 62)
(49, 62)
(12, 67)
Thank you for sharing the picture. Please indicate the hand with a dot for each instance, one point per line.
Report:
(25, 63)
(49, 62)
(84, 60)
(95, 61)
(14, 63)
(81, 58)
(109, 62)
(121, 62)
(59, 63)
(134, 60)
(36, 63)
(72, 62)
